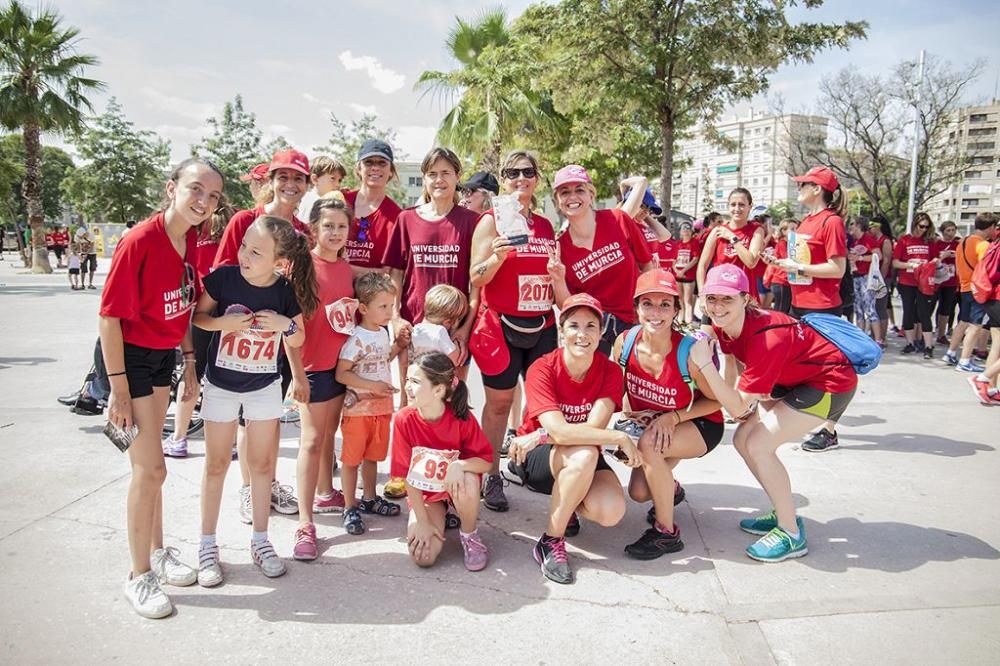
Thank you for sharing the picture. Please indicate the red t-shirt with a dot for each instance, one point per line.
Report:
(607, 272)
(725, 252)
(151, 288)
(50, 240)
(948, 261)
(686, 251)
(323, 341)
(369, 237)
(664, 393)
(60, 238)
(522, 286)
(778, 350)
(818, 238)
(913, 248)
(449, 433)
(205, 256)
(862, 249)
(430, 253)
(232, 237)
(780, 252)
(550, 388)
(666, 253)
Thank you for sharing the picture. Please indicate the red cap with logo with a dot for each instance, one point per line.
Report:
(258, 173)
(820, 176)
(580, 301)
(290, 159)
(656, 281)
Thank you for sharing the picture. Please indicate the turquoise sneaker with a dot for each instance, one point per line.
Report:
(760, 525)
(777, 545)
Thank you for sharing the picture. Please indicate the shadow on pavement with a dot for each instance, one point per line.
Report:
(9, 361)
(858, 421)
(913, 443)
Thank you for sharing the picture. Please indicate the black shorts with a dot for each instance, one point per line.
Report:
(58, 249)
(611, 329)
(200, 339)
(146, 368)
(798, 313)
(711, 432)
(827, 406)
(74, 271)
(536, 472)
(992, 314)
(323, 385)
(520, 358)
(88, 264)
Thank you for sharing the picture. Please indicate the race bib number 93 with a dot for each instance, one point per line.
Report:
(428, 468)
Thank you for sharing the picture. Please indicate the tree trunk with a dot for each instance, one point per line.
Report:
(32, 190)
(666, 161)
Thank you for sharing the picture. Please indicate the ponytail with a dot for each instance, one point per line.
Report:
(293, 246)
(440, 371)
(836, 201)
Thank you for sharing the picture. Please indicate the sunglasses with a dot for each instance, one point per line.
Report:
(527, 172)
(363, 225)
(923, 226)
(187, 285)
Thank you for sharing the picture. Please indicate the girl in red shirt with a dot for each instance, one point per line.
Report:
(780, 290)
(145, 314)
(515, 324)
(600, 253)
(947, 296)
(739, 242)
(794, 379)
(439, 448)
(322, 397)
(375, 211)
(911, 251)
(677, 422)
(571, 394)
(688, 252)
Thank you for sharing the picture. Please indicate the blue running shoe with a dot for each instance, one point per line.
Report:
(760, 525)
(777, 545)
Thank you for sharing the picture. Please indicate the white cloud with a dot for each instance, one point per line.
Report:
(414, 141)
(179, 106)
(382, 78)
(364, 109)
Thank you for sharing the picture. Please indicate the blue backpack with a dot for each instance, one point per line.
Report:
(683, 351)
(862, 352)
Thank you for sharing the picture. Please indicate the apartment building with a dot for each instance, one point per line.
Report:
(757, 160)
(976, 130)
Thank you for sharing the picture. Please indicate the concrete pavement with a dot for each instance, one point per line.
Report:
(903, 523)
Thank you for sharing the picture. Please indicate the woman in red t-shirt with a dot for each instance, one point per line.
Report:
(912, 250)
(145, 314)
(673, 420)
(947, 296)
(688, 252)
(781, 292)
(571, 394)
(794, 379)
(375, 211)
(739, 242)
(600, 253)
(515, 325)
(638, 202)
(863, 252)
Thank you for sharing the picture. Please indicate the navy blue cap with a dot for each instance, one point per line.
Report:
(481, 181)
(649, 201)
(375, 148)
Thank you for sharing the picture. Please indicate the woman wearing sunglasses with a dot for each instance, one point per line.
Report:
(374, 211)
(912, 250)
(515, 325)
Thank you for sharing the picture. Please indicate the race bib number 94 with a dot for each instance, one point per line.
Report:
(340, 314)
(428, 467)
(535, 293)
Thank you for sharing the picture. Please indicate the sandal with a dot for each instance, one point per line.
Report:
(379, 507)
(451, 521)
(353, 523)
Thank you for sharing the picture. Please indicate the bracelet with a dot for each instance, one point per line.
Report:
(189, 361)
(187, 353)
(116, 374)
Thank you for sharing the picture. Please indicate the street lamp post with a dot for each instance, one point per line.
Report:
(916, 147)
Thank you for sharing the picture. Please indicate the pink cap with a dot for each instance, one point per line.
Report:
(289, 159)
(258, 173)
(726, 280)
(580, 301)
(570, 174)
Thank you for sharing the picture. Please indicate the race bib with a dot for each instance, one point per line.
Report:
(428, 467)
(251, 350)
(534, 293)
(799, 252)
(340, 314)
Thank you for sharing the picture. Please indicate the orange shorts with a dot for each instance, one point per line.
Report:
(365, 438)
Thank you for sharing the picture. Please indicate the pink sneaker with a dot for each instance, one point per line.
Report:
(305, 543)
(476, 553)
(332, 504)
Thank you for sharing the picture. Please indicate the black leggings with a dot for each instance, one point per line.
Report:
(782, 297)
(947, 299)
(916, 307)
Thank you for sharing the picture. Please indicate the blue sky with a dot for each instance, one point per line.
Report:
(172, 64)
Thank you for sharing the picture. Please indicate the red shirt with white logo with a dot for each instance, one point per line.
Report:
(818, 238)
(949, 262)
(60, 238)
(369, 235)
(862, 251)
(778, 350)
(609, 270)
(232, 237)
(667, 392)
(50, 240)
(430, 253)
(725, 252)
(151, 288)
(913, 248)
(550, 388)
(331, 323)
(207, 249)
(686, 251)
(448, 434)
(522, 285)
(666, 253)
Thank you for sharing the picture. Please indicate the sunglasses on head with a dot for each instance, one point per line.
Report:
(527, 172)
(363, 225)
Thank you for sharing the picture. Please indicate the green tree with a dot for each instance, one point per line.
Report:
(494, 105)
(123, 175)
(55, 166)
(235, 147)
(664, 65)
(345, 142)
(274, 145)
(42, 88)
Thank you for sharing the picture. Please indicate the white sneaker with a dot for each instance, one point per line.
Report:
(209, 569)
(146, 597)
(283, 500)
(246, 506)
(264, 557)
(170, 570)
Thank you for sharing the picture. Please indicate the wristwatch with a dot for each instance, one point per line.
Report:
(292, 328)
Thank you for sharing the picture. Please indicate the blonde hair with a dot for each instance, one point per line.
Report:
(444, 302)
(369, 285)
(324, 165)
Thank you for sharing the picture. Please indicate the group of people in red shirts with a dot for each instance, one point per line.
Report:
(586, 322)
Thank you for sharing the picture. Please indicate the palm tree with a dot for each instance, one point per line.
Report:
(42, 88)
(495, 105)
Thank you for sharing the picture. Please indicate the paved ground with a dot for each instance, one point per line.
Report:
(903, 522)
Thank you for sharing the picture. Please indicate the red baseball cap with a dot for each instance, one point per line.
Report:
(289, 159)
(257, 173)
(726, 280)
(580, 301)
(820, 176)
(656, 281)
(570, 174)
